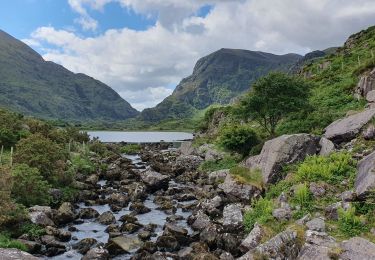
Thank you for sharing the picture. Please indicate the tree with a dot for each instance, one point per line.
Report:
(272, 98)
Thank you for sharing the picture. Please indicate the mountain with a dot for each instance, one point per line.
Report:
(217, 79)
(33, 86)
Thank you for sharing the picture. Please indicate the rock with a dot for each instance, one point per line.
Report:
(118, 199)
(226, 256)
(205, 256)
(218, 176)
(50, 241)
(15, 254)
(283, 213)
(144, 235)
(167, 243)
(347, 128)
(56, 194)
(131, 227)
(316, 224)
(365, 180)
(88, 213)
(357, 248)
(65, 213)
(209, 235)
(85, 245)
(201, 220)
(253, 239)
(40, 218)
(154, 180)
(97, 253)
(369, 132)
(229, 242)
(60, 234)
(348, 196)
(320, 239)
(186, 253)
(280, 151)
(232, 217)
(366, 83)
(139, 208)
(309, 252)
(331, 211)
(188, 162)
(209, 153)
(326, 147)
(238, 192)
(317, 189)
(32, 246)
(122, 244)
(370, 97)
(181, 234)
(107, 218)
(187, 148)
(92, 179)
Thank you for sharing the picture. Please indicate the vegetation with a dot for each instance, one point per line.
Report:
(7, 242)
(349, 223)
(261, 213)
(245, 175)
(130, 149)
(226, 163)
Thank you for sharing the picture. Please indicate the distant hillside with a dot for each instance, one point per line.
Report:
(217, 79)
(32, 86)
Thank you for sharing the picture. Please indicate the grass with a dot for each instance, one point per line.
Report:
(349, 224)
(7, 242)
(261, 212)
(247, 176)
(227, 162)
(131, 149)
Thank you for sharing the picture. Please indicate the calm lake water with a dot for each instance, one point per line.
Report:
(140, 137)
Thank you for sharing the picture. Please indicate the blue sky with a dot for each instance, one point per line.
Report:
(143, 48)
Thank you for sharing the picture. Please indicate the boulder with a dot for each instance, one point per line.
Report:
(122, 244)
(118, 199)
(326, 147)
(32, 246)
(218, 176)
(332, 211)
(188, 162)
(199, 221)
(283, 213)
(238, 192)
(15, 254)
(357, 248)
(50, 241)
(232, 217)
(370, 97)
(40, 218)
(186, 253)
(92, 179)
(181, 234)
(253, 239)
(154, 180)
(107, 218)
(369, 132)
(167, 243)
(85, 245)
(346, 129)
(60, 234)
(365, 180)
(285, 149)
(65, 213)
(316, 224)
(209, 153)
(97, 253)
(88, 213)
(309, 252)
(139, 208)
(366, 83)
(187, 148)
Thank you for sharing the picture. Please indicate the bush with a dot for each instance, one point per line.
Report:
(212, 165)
(98, 147)
(238, 138)
(304, 199)
(81, 163)
(247, 176)
(332, 169)
(40, 152)
(8, 137)
(29, 187)
(6, 242)
(261, 213)
(349, 223)
(131, 149)
(32, 230)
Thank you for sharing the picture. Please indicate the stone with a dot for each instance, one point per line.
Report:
(88, 213)
(97, 253)
(154, 180)
(139, 208)
(118, 199)
(217, 176)
(370, 97)
(144, 235)
(317, 189)
(15, 254)
(357, 248)
(326, 147)
(65, 213)
(167, 243)
(85, 245)
(226, 256)
(92, 179)
(232, 217)
(238, 192)
(123, 244)
(229, 242)
(107, 218)
(187, 148)
(40, 218)
(209, 153)
(60, 234)
(188, 162)
(346, 129)
(50, 241)
(253, 238)
(369, 132)
(283, 213)
(209, 235)
(316, 224)
(309, 252)
(205, 256)
(131, 227)
(366, 83)
(348, 196)
(186, 253)
(32, 246)
(201, 221)
(331, 211)
(365, 180)
(283, 150)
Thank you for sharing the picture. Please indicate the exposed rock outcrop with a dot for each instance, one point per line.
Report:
(365, 180)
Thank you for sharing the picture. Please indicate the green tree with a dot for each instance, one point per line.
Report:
(29, 187)
(272, 98)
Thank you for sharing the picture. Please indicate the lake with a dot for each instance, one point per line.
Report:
(140, 137)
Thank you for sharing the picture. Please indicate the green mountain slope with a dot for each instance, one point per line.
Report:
(217, 79)
(32, 86)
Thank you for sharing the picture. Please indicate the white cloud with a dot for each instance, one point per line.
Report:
(141, 64)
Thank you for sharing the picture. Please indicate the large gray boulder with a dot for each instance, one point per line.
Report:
(346, 129)
(357, 248)
(280, 151)
(15, 254)
(154, 180)
(326, 147)
(253, 239)
(238, 192)
(232, 217)
(366, 83)
(365, 180)
(187, 148)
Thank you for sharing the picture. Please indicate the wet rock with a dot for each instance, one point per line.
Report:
(238, 192)
(15, 254)
(144, 235)
(139, 208)
(348, 128)
(65, 213)
(131, 227)
(128, 219)
(32, 246)
(154, 180)
(280, 151)
(122, 244)
(369, 132)
(85, 245)
(253, 239)
(60, 234)
(92, 179)
(137, 191)
(232, 217)
(326, 147)
(97, 253)
(50, 241)
(88, 213)
(365, 180)
(107, 218)
(118, 199)
(167, 243)
(316, 224)
(357, 248)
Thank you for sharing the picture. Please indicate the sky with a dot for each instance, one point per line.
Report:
(143, 48)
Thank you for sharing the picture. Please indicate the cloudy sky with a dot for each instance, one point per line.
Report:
(142, 48)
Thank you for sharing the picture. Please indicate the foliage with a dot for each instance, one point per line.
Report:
(29, 187)
(304, 199)
(32, 230)
(261, 212)
(81, 163)
(274, 97)
(247, 176)
(98, 147)
(211, 165)
(349, 223)
(40, 152)
(332, 169)
(275, 190)
(131, 149)
(7, 242)
(238, 138)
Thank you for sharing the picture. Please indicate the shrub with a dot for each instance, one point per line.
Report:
(211, 165)
(261, 213)
(6, 242)
(8, 137)
(81, 163)
(98, 147)
(29, 187)
(40, 152)
(332, 169)
(238, 138)
(131, 149)
(245, 175)
(77, 135)
(32, 230)
(304, 199)
(349, 223)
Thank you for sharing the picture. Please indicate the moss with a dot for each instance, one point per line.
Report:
(247, 176)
